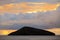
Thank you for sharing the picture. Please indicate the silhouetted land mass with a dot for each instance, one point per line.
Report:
(31, 31)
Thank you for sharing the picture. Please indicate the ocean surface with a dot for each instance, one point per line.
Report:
(29, 37)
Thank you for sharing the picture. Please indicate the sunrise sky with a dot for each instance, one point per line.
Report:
(43, 14)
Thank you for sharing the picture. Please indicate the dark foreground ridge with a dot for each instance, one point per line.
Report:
(31, 31)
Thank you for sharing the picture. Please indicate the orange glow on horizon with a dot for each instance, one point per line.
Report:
(6, 32)
(54, 30)
(27, 7)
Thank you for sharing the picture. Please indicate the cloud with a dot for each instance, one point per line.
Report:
(30, 13)
(27, 7)
(2, 2)
(47, 20)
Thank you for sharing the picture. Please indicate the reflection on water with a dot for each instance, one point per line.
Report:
(29, 37)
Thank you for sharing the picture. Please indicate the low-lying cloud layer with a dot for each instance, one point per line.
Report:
(47, 20)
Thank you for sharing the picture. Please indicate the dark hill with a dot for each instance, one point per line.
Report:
(31, 31)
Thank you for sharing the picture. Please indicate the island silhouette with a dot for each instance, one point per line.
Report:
(26, 30)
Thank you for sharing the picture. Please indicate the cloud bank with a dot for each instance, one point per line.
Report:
(36, 14)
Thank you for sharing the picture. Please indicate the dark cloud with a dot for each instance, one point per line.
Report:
(38, 20)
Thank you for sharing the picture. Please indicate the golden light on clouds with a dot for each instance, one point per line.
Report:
(28, 7)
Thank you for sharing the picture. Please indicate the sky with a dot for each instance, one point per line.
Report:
(43, 14)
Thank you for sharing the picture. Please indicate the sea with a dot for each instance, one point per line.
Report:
(2, 37)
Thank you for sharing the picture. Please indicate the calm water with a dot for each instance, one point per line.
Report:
(29, 37)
